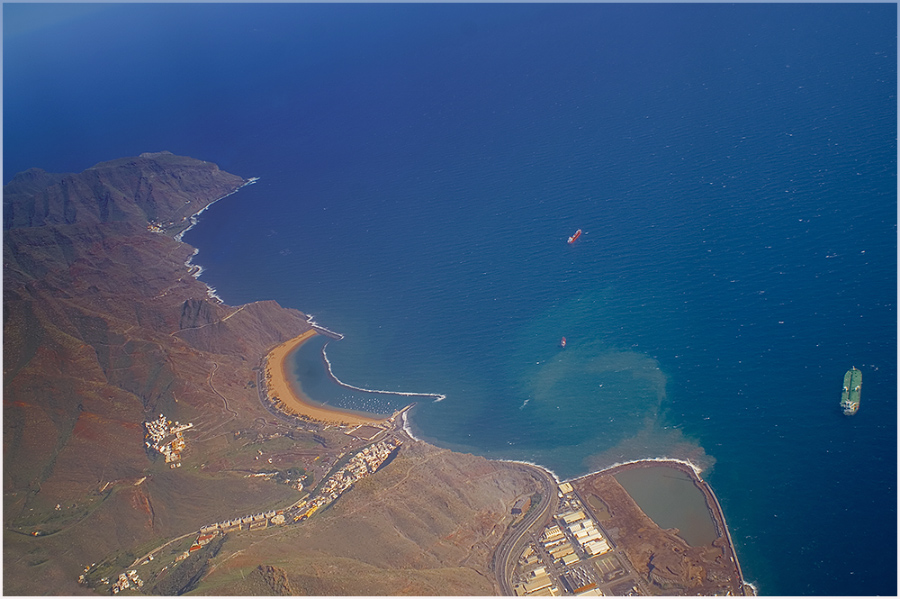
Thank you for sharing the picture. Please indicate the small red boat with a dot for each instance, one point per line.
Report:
(575, 236)
(562, 342)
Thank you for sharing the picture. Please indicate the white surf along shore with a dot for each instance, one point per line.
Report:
(196, 270)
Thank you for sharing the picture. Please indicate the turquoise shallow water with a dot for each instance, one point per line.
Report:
(733, 169)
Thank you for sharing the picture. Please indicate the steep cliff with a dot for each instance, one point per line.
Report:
(428, 525)
(105, 328)
(93, 306)
(158, 187)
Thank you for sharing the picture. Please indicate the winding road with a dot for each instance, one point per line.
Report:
(507, 552)
(207, 434)
(224, 400)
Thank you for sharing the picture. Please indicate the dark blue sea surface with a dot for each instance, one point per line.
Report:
(733, 169)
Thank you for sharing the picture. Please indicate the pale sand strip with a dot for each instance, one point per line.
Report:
(294, 402)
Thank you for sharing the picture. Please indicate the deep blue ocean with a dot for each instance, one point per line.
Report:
(733, 169)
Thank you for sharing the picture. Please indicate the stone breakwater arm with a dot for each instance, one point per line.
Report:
(286, 398)
(712, 505)
(718, 515)
(715, 511)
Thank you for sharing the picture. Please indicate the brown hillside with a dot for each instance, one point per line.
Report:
(426, 525)
(93, 305)
(157, 187)
(104, 328)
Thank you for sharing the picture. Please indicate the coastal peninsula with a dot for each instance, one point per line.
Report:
(110, 342)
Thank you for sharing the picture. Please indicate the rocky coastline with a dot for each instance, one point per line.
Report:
(106, 327)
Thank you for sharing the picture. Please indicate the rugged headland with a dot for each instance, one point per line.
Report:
(105, 329)
(146, 449)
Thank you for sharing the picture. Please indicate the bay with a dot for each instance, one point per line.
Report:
(733, 169)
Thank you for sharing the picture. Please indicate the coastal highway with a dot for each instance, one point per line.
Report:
(511, 545)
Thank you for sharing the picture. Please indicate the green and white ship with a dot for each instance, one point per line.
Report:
(850, 395)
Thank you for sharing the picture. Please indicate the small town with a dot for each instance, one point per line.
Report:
(360, 465)
(159, 432)
(363, 463)
(250, 522)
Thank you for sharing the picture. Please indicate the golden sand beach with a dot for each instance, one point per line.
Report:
(292, 401)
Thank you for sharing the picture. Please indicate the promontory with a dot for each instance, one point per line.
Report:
(145, 451)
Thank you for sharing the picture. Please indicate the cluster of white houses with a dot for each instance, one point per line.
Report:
(158, 436)
(362, 464)
(251, 522)
(126, 580)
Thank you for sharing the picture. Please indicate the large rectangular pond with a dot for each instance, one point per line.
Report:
(672, 500)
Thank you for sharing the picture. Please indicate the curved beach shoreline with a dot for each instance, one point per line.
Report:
(288, 399)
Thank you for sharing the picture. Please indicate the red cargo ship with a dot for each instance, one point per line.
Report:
(575, 236)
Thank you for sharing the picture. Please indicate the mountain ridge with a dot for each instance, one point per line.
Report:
(104, 328)
(153, 187)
